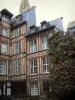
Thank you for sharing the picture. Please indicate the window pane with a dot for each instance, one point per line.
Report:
(17, 66)
(8, 84)
(8, 91)
(34, 89)
(0, 92)
(35, 62)
(18, 47)
(33, 66)
(17, 31)
(44, 43)
(5, 32)
(33, 46)
(35, 70)
(3, 67)
(3, 48)
(45, 64)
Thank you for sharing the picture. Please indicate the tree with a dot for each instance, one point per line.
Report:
(62, 66)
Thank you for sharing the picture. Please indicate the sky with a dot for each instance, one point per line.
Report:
(45, 9)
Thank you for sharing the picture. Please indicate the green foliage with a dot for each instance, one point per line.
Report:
(62, 65)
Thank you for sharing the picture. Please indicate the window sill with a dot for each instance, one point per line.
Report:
(46, 72)
(33, 74)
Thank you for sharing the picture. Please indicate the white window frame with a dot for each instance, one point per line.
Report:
(18, 47)
(33, 46)
(17, 67)
(8, 91)
(33, 67)
(5, 32)
(44, 43)
(3, 67)
(45, 63)
(8, 88)
(4, 48)
(34, 89)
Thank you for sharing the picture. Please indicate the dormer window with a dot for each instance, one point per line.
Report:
(19, 18)
(6, 18)
(32, 29)
(43, 25)
(6, 15)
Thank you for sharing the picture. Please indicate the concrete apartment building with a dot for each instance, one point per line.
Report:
(24, 65)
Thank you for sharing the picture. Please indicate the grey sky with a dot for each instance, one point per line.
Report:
(45, 9)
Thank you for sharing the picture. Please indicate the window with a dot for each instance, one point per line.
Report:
(3, 67)
(8, 91)
(44, 43)
(34, 89)
(4, 88)
(17, 66)
(5, 32)
(32, 46)
(0, 92)
(45, 65)
(18, 47)
(17, 31)
(10, 50)
(8, 88)
(43, 26)
(33, 66)
(32, 30)
(6, 18)
(3, 48)
(9, 68)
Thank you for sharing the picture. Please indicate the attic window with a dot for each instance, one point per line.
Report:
(19, 18)
(43, 26)
(32, 30)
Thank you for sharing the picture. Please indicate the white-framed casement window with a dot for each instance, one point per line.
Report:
(17, 67)
(34, 89)
(4, 48)
(33, 67)
(2, 67)
(17, 31)
(5, 32)
(32, 46)
(44, 43)
(18, 47)
(45, 63)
